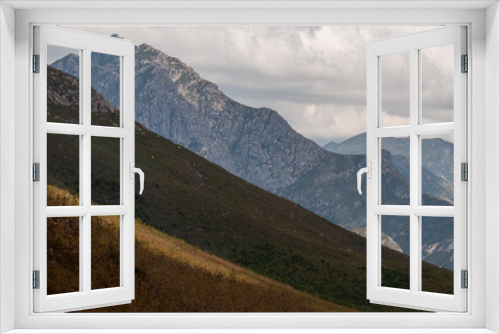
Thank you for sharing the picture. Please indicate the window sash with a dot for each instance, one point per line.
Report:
(86, 297)
(414, 298)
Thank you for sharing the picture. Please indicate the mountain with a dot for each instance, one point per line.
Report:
(190, 198)
(256, 144)
(437, 154)
(431, 184)
(387, 241)
(175, 102)
(355, 145)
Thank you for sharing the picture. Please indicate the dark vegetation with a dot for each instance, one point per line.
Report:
(171, 276)
(258, 145)
(189, 198)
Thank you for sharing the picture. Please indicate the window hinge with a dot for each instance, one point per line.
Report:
(464, 171)
(36, 63)
(36, 172)
(36, 279)
(465, 64)
(465, 279)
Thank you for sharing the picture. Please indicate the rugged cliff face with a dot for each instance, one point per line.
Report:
(175, 102)
(256, 144)
(278, 242)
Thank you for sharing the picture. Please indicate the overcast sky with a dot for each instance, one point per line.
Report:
(312, 76)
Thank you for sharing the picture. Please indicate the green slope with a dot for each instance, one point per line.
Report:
(170, 274)
(190, 198)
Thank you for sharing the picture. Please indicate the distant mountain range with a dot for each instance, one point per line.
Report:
(256, 144)
(190, 198)
(220, 214)
(437, 160)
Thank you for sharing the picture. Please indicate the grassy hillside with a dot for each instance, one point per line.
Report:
(189, 198)
(171, 276)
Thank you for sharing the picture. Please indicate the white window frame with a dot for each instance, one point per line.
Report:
(86, 43)
(413, 43)
(484, 212)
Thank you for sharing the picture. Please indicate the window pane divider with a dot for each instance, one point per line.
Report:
(434, 129)
(109, 210)
(434, 211)
(423, 129)
(392, 210)
(66, 129)
(80, 211)
(81, 130)
(66, 211)
(396, 131)
(102, 131)
(418, 210)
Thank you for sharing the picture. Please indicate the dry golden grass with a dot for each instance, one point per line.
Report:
(181, 252)
(171, 275)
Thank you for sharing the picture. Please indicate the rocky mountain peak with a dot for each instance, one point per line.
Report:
(189, 83)
(256, 144)
(69, 64)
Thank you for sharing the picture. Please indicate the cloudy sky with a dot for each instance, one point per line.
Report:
(313, 76)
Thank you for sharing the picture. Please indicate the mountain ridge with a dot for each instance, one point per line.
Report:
(190, 198)
(400, 146)
(256, 144)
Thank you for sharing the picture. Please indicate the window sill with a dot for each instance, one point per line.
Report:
(252, 331)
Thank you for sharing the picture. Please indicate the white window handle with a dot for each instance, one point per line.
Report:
(368, 171)
(141, 176)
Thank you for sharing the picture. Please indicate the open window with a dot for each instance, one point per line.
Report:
(401, 61)
(69, 122)
(482, 111)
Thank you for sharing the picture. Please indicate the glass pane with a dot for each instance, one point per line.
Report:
(105, 261)
(437, 254)
(105, 171)
(437, 84)
(437, 170)
(395, 89)
(63, 255)
(63, 85)
(395, 244)
(395, 167)
(105, 89)
(63, 170)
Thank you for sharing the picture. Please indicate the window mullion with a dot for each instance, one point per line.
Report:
(414, 172)
(82, 259)
(85, 166)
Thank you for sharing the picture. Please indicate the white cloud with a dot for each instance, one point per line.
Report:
(388, 120)
(326, 122)
(313, 76)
